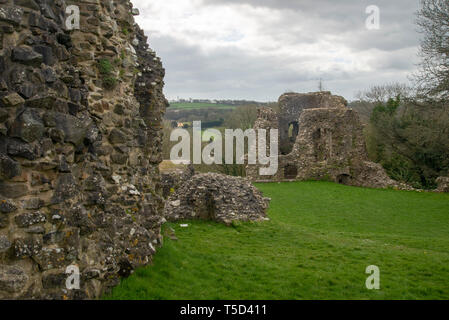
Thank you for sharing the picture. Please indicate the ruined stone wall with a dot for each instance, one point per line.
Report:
(267, 119)
(80, 144)
(331, 147)
(329, 143)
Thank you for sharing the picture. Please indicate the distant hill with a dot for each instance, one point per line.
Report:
(216, 104)
(199, 105)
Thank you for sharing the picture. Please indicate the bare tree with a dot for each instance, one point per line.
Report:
(433, 22)
(243, 117)
(382, 93)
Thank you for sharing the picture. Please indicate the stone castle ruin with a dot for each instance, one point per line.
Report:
(320, 138)
(80, 145)
(81, 142)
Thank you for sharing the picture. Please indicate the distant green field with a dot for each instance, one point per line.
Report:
(318, 244)
(190, 106)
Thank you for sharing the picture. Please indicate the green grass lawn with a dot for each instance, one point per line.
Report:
(320, 240)
(190, 106)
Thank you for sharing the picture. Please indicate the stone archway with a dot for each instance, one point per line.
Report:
(344, 179)
(287, 143)
(293, 131)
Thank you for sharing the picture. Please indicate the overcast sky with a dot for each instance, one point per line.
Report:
(259, 49)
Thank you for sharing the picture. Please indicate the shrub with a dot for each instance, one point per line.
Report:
(109, 82)
(105, 66)
(410, 140)
(106, 69)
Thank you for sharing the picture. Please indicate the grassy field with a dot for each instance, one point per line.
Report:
(191, 106)
(320, 240)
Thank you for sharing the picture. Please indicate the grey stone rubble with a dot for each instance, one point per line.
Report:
(79, 179)
(217, 197)
(172, 181)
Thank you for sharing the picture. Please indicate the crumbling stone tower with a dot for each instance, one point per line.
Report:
(291, 106)
(80, 144)
(320, 138)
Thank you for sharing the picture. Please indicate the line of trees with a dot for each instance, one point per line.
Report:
(408, 127)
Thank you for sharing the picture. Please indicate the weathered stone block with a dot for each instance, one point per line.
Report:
(47, 54)
(4, 221)
(12, 100)
(30, 4)
(50, 258)
(78, 217)
(27, 247)
(7, 206)
(17, 148)
(13, 190)
(12, 278)
(8, 167)
(27, 56)
(75, 130)
(11, 14)
(5, 245)
(28, 126)
(119, 158)
(37, 21)
(117, 136)
(42, 101)
(54, 279)
(29, 219)
(66, 188)
(35, 230)
(49, 75)
(54, 237)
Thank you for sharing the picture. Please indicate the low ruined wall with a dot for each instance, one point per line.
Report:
(80, 144)
(216, 197)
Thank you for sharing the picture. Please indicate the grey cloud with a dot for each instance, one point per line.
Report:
(228, 72)
(343, 18)
(191, 72)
